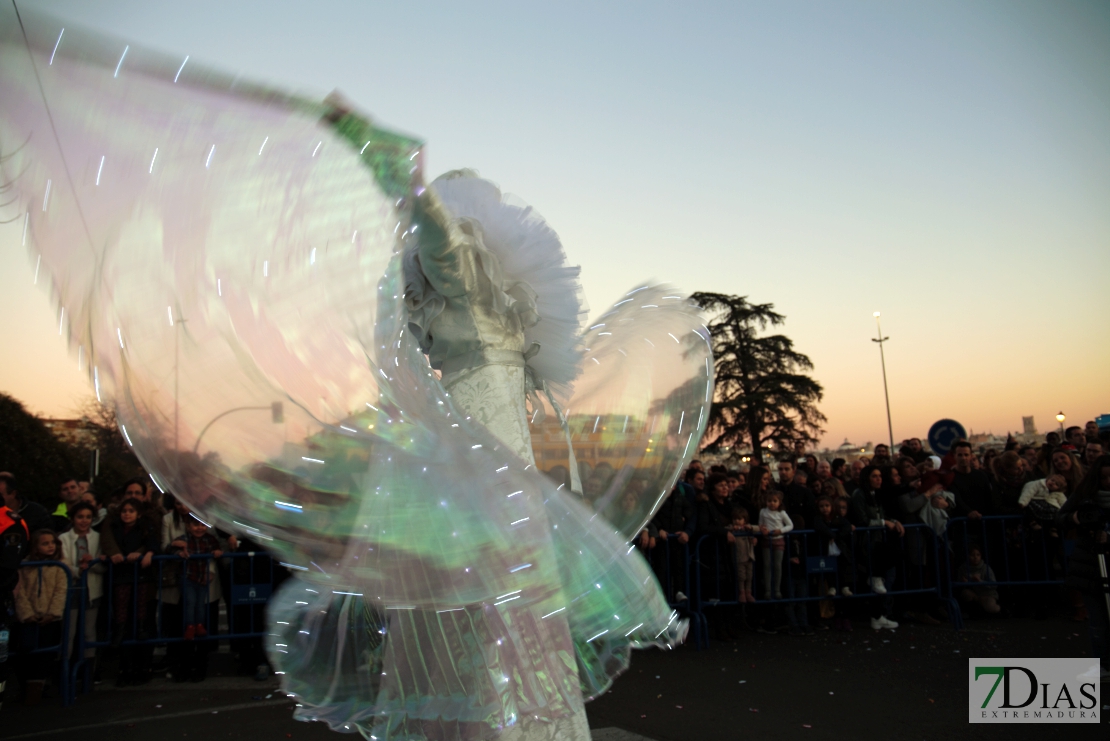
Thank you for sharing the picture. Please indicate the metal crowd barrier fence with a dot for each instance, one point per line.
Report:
(152, 613)
(910, 566)
(1019, 550)
(16, 653)
(670, 560)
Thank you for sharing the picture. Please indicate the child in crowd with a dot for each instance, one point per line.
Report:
(977, 570)
(198, 575)
(796, 612)
(744, 549)
(1044, 497)
(40, 601)
(938, 501)
(773, 523)
(835, 540)
(81, 549)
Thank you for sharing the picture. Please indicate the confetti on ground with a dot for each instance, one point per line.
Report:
(643, 716)
(806, 725)
(679, 707)
(932, 700)
(753, 710)
(157, 706)
(743, 681)
(830, 693)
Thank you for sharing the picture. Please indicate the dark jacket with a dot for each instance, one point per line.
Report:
(676, 514)
(838, 529)
(867, 509)
(142, 537)
(1083, 567)
(713, 519)
(800, 504)
(36, 516)
(973, 493)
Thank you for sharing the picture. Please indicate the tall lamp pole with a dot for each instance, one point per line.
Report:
(1060, 418)
(886, 394)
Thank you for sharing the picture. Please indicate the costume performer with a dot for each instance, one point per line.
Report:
(315, 349)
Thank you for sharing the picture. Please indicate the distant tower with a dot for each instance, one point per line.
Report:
(1030, 429)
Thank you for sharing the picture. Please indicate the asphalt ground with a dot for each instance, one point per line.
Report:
(904, 684)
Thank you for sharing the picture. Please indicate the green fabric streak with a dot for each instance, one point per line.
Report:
(384, 152)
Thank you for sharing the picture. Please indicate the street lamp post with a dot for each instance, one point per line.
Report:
(1060, 418)
(886, 394)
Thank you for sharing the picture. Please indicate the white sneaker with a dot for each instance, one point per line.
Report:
(881, 622)
(832, 591)
(846, 592)
(680, 597)
(877, 585)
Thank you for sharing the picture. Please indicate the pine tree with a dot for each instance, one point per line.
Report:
(763, 396)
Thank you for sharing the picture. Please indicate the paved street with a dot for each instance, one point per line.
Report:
(905, 684)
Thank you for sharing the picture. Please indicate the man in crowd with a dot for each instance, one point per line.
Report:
(797, 500)
(972, 487)
(675, 517)
(852, 482)
(882, 455)
(1077, 438)
(693, 484)
(1029, 454)
(33, 513)
(914, 449)
(1093, 451)
(824, 473)
(1091, 429)
(70, 494)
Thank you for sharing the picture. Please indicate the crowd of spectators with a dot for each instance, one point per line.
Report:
(997, 516)
(874, 516)
(110, 547)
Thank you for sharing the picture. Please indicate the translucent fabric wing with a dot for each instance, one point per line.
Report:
(639, 407)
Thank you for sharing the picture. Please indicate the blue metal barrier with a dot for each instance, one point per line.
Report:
(667, 552)
(917, 567)
(62, 647)
(1019, 550)
(166, 573)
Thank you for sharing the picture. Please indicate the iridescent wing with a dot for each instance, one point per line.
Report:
(639, 407)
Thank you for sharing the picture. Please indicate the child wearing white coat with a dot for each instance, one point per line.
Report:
(773, 522)
(81, 549)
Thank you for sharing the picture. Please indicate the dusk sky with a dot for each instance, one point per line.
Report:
(945, 163)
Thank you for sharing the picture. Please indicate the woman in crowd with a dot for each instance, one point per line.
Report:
(714, 519)
(1067, 465)
(40, 601)
(81, 549)
(131, 549)
(760, 484)
(870, 509)
(172, 540)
